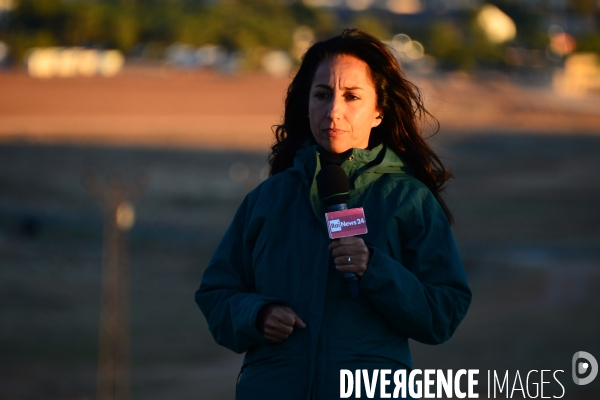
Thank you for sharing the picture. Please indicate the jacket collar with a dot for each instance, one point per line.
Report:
(363, 167)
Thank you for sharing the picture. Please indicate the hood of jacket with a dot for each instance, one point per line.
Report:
(363, 167)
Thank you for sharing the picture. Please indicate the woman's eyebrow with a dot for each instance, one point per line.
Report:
(322, 85)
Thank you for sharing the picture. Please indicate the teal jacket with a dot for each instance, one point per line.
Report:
(276, 251)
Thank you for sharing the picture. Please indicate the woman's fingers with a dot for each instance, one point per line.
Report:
(350, 254)
(348, 246)
(276, 333)
(290, 318)
(359, 269)
(273, 325)
(278, 322)
(347, 241)
(299, 323)
(356, 259)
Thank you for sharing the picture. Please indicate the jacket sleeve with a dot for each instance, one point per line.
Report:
(425, 294)
(226, 295)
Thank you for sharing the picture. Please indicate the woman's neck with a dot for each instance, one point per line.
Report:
(328, 158)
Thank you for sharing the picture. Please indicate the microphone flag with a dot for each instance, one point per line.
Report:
(349, 222)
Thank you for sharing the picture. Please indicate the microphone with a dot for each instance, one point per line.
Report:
(333, 187)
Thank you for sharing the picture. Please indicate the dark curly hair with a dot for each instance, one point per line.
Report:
(399, 100)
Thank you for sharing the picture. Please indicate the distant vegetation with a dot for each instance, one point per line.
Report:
(453, 39)
(233, 24)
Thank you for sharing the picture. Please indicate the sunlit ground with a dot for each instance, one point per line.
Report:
(166, 107)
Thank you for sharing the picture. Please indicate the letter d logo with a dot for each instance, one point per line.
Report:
(583, 367)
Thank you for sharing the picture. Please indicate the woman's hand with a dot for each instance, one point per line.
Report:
(350, 254)
(277, 322)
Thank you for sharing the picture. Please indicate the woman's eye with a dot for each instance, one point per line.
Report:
(321, 95)
(351, 97)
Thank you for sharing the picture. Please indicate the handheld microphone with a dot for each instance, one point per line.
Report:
(334, 187)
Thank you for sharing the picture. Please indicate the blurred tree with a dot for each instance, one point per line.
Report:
(447, 43)
(38, 12)
(584, 6)
(372, 25)
(323, 22)
(84, 23)
(529, 23)
(252, 26)
(248, 24)
(589, 42)
(124, 31)
(158, 20)
(235, 24)
(485, 52)
(33, 23)
(199, 28)
(21, 42)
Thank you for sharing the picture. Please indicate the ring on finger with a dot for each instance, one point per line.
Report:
(349, 259)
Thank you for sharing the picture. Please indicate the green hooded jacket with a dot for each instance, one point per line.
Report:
(276, 250)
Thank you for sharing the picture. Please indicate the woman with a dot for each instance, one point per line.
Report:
(273, 288)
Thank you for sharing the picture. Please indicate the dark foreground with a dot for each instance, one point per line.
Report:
(528, 226)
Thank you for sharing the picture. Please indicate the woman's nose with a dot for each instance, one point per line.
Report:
(335, 108)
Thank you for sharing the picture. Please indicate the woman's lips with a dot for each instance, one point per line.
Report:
(333, 132)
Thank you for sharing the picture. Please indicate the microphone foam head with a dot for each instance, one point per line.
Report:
(333, 185)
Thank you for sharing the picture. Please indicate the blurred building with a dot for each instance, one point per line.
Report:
(7, 5)
(73, 61)
(580, 75)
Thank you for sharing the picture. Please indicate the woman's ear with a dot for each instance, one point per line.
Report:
(377, 120)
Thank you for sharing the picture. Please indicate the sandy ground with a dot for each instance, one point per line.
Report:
(208, 110)
(147, 107)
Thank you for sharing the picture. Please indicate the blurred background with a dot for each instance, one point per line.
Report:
(130, 131)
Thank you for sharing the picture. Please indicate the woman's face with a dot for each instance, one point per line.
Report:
(342, 107)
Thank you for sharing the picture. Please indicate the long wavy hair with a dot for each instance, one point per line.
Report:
(399, 100)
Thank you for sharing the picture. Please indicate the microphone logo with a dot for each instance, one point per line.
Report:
(335, 225)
